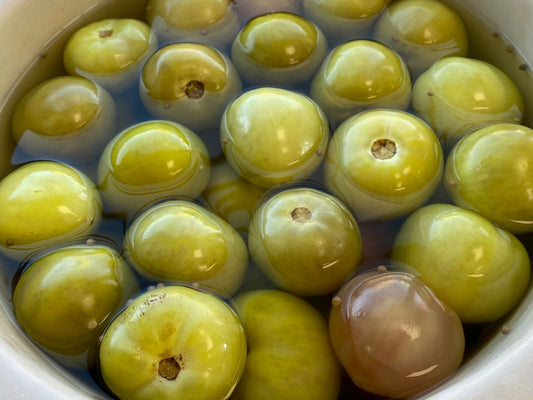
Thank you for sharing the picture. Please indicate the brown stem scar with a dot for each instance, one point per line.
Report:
(194, 89)
(105, 33)
(301, 214)
(169, 368)
(383, 149)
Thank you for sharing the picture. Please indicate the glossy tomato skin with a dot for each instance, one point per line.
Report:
(476, 268)
(393, 336)
(306, 241)
(65, 299)
(490, 172)
(174, 342)
(383, 163)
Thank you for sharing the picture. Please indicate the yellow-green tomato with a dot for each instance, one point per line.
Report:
(393, 336)
(214, 22)
(477, 269)
(150, 161)
(361, 74)
(278, 49)
(343, 20)
(422, 31)
(289, 353)
(68, 118)
(66, 298)
(231, 197)
(46, 203)
(458, 95)
(190, 83)
(110, 51)
(490, 171)
(306, 241)
(172, 343)
(181, 241)
(383, 163)
(273, 136)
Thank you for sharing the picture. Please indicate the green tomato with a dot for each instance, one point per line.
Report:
(306, 241)
(458, 95)
(422, 31)
(68, 118)
(278, 49)
(66, 298)
(273, 136)
(343, 20)
(180, 241)
(190, 83)
(150, 161)
(393, 336)
(383, 163)
(110, 51)
(360, 74)
(231, 197)
(289, 354)
(174, 343)
(46, 203)
(213, 22)
(490, 171)
(477, 269)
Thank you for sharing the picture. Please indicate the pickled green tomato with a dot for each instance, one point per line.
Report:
(181, 241)
(46, 203)
(273, 136)
(383, 163)
(189, 83)
(422, 32)
(150, 161)
(174, 343)
(252, 8)
(343, 20)
(490, 171)
(458, 95)
(66, 298)
(278, 49)
(213, 22)
(477, 269)
(68, 118)
(393, 336)
(232, 197)
(110, 51)
(360, 74)
(289, 354)
(306, 241)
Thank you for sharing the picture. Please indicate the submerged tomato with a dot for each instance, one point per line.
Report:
(174, 343)
(392, 334)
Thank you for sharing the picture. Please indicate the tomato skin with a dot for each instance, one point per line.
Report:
(174, 342)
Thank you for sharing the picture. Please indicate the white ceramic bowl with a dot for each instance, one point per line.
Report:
(501, 370)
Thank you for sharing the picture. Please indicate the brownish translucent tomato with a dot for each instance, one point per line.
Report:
(393, 336)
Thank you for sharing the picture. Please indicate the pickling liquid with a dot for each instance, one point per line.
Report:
(378, 237)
